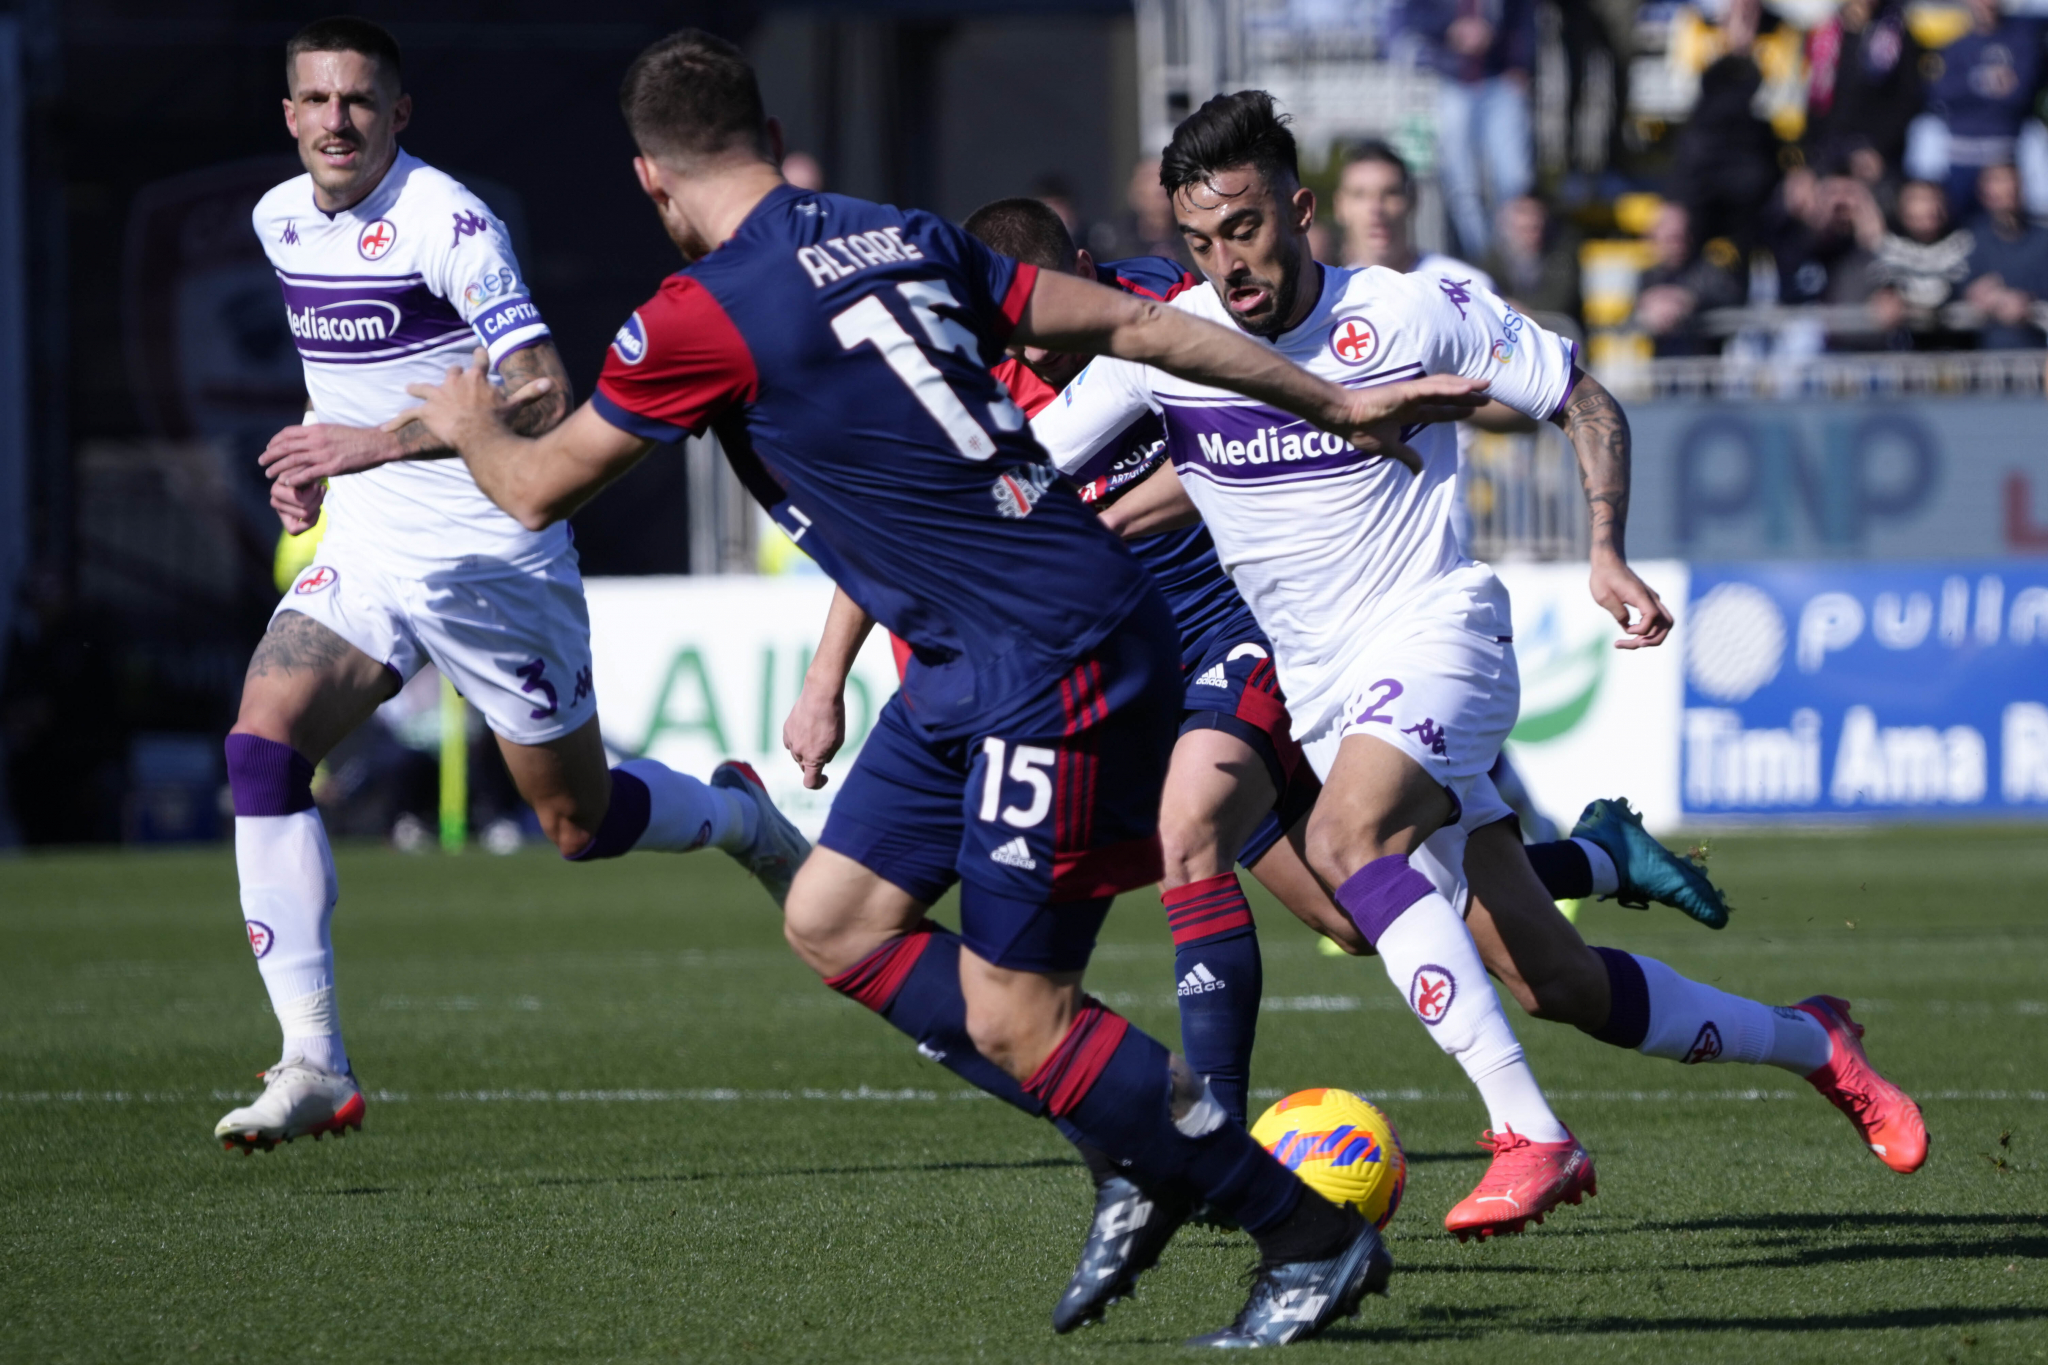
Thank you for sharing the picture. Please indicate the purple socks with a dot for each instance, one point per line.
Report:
(1377, 894)
(268, 778)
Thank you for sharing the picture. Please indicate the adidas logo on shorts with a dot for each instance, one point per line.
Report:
(1215, 677)
(1016, 853)
(1200, 981)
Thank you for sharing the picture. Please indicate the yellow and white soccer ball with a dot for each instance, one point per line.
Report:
(1342, 1147)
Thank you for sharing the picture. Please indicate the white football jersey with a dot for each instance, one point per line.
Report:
(388, 293)
(1330, 547)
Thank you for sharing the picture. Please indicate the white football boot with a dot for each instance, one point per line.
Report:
(298, 1099)
(778, 848)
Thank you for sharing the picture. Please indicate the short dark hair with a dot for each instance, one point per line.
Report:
(692, 94)
(1381, 151)
(344, 33)
(1230, 130)
(1026, 230)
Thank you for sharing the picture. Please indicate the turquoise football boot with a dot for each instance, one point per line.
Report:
(1648, 870)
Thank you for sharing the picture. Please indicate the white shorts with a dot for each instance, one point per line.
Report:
(1446, 697)
(516, 643)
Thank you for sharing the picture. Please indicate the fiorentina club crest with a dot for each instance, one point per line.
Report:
(259, 937)
(319, 578)
(1353, 340)
(376, 240)
(1705, 1046)
(1431, 992)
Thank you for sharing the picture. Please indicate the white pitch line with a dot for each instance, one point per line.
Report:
(881, 1095)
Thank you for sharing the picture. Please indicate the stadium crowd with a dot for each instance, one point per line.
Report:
(1876, 181)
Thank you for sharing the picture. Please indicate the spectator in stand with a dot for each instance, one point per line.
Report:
(2008, 264)
(1484, 50)
(1980, 90)
(1535, 266)
(1725, 164)
(1812, 229)
(1682, 284)
(1863, 89)
(1920, 267)
(1148, 228)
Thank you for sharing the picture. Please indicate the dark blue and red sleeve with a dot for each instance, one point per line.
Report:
(1151, 277)
(675, 366)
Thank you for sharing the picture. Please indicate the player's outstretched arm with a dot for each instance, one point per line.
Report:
(538, 481)
(1065, 313)
(1598, 429)
(1156, 504)
(301, 456)
(816, 726)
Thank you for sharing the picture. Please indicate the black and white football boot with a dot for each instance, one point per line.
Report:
(1294, 1300)
(1129, 1230)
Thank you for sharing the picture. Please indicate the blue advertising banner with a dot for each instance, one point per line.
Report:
(1848, 691)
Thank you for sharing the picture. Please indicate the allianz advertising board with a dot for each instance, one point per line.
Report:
(1843, 691)
(1911, 479)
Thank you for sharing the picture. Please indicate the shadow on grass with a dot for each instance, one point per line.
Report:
(806, 1172)
(1459, 1325)
(1455, 1154)
(1828, 1222)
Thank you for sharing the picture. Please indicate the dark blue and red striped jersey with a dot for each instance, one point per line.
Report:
(1183, 563)
(841, 352)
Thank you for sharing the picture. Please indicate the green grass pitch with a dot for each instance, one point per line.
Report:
(590, 1136)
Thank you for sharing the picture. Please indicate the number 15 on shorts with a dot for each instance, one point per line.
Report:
(1029, 766)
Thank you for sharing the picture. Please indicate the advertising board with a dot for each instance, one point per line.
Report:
(1852, 691)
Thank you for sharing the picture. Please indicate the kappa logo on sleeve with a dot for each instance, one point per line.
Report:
(630, 345)
(468, 224)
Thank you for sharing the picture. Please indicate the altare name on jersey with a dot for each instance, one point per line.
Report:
(838, 257)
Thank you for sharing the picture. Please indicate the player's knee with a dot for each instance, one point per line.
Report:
(996, 1035)
(1190, 850)
(565, 826)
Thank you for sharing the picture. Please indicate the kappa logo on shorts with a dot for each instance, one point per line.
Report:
(1429, 734)
(260, 937)
(1016, 853)
(1431, 992)
(1353, 340)
(1705, 1047)
(319, 578)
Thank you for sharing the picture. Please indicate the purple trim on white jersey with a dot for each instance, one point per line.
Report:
(1256, 443)
(366, 322)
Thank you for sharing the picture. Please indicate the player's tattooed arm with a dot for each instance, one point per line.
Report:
(538, 397)
(1069, 314)
(816, 726)
(1599, 434)
(538, 481)
(546, 404)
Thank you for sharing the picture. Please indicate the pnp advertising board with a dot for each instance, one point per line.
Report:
(1849, 691)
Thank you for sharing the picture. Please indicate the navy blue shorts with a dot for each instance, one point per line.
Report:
(1232, 686)
(1043, 818)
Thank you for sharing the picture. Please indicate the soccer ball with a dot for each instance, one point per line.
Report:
(1342, 1147)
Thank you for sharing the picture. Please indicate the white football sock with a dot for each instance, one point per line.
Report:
(288, 895)
(1691, 1022)
(1606, 881)
(1431, 960)
(684, 813)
